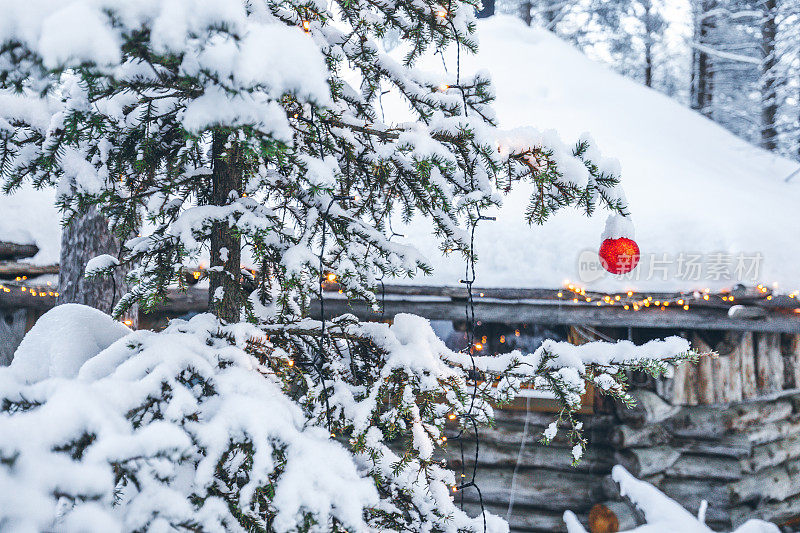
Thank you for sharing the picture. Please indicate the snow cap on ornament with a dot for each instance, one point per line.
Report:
(619, 253)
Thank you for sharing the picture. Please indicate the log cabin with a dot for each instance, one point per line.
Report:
(725, 431)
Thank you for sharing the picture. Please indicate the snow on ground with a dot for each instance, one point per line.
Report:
(30, 216)
(692, 186)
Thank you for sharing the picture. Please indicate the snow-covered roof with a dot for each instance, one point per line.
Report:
(693, 188)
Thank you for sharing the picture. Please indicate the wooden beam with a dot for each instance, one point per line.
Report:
(567, 313)
(556, 312)
(13, 270)
(18, 299)
(10, 250)
(440, 306)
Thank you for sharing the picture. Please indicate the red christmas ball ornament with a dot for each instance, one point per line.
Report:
(619, 256)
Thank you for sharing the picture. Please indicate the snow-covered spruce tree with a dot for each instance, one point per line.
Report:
(251, 127)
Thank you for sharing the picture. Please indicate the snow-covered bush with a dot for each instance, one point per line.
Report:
(662, 514)
(213, 427)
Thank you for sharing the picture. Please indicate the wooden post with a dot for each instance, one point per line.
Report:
(749, 382)
(769, 363)
(790, 347)
(733, 339)
(705, 373)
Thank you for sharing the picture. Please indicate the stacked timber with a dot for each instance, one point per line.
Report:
(743, 458)
(746, 365)
(536, 483)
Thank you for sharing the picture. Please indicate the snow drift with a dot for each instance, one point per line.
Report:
(692, 186)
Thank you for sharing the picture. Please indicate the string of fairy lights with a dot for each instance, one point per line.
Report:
(635, 301)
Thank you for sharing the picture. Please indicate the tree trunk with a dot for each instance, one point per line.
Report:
(87, 236)
(224, 294)
(525, 12)
(702, 71)
(648, 44)
(769, 103)
(488, 9)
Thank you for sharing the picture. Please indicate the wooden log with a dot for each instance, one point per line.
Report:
(648, 409)
(721, 369)
(773, 431)
(612, 516)
(791, 357)
(564, 313)
(776, 362)
(542, 489)
(18, 299)
(689, 493)
(772, 484)
(783, 513)
(732, 446)
(536, 455)
(705, 373)
(625, 436)
(769, 363)
(678, 386)
(749, 381)
(523, 517)
(602, 520)
(15, 270)
(704, 467)
(732, 350)
(698, 422)
(11, 250)
(743, 416)
(771, 454)
(690, 385)
(643, 462)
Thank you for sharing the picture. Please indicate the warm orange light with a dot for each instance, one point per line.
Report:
(128, 322)
(306, 26)
(478, 346)
(331, 277)
(451, 416)
(291, 362)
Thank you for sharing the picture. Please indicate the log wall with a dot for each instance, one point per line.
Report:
(743, 458)
(747, 365)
